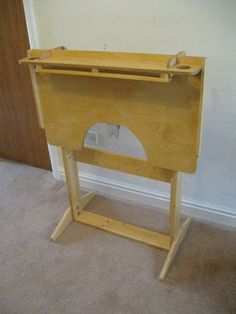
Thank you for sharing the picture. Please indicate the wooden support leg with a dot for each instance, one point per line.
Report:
(77, 203)
(65, 221)
(175, 203)
(177, 233)
(71, 172)
(174, 248)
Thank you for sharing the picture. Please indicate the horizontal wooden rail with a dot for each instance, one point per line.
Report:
(164, 78)
(123, 163)
(132, 232)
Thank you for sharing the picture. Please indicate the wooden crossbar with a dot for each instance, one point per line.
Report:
(123, 229)
(124, 76)
(123, 163)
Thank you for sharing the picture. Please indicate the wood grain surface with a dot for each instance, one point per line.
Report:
(21, 138)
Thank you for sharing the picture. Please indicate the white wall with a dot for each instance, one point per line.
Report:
(201, 28)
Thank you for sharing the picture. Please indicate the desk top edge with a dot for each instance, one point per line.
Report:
(115, 60)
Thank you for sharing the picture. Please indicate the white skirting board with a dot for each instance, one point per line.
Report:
(133, 193)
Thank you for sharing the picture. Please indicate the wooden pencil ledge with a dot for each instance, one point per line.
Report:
(106, 74)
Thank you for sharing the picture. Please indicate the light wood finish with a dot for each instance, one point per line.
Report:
(36, 96)
(119, 162)
(85, 199)
(175, 203)
(67, 217)
(120, 61)
(48, 53)
(170, 114)
(32, 70)
(78, 89)
(175, 59)
(64, 222)
(96, 73)
(132, 232)
(174, 248)
(71, 172)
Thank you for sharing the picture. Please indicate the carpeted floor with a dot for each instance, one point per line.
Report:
(91, 272)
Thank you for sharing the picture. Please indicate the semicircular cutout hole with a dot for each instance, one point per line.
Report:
(127, 142)
(183, 67)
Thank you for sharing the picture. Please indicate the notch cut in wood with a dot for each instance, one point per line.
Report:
(47, 53)
(173, 61)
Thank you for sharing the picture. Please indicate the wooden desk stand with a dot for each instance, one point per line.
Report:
(158, 97)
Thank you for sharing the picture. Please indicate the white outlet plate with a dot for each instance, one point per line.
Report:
(91, 139)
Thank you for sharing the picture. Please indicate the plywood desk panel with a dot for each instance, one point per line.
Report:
(157, 97)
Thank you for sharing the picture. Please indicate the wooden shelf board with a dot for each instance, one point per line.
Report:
(115, 61)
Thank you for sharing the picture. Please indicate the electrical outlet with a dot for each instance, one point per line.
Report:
(91, 139)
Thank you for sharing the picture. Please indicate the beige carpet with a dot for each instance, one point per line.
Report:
(90, 271)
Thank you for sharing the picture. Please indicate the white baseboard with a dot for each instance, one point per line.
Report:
(138, 194)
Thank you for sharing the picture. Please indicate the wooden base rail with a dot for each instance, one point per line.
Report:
(77, 213)
(129, 231)
(132, 232)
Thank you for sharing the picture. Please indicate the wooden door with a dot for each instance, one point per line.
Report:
(21, 138)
